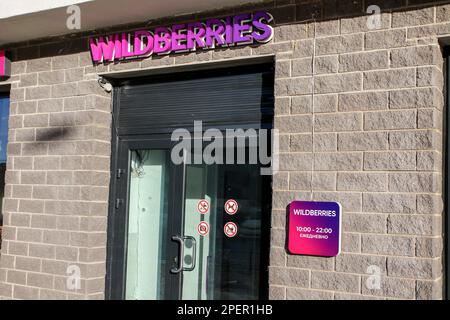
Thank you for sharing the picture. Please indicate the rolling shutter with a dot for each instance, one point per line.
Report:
(238, 97)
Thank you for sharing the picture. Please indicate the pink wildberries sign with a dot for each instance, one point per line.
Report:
(242, 29)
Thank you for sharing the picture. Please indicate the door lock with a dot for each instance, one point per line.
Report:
(119, 202)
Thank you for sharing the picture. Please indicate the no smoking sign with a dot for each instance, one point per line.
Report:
(231, 206)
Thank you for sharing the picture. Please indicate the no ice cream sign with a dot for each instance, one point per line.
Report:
(314, 228)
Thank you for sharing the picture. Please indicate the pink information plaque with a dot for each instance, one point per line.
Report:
(314, 228)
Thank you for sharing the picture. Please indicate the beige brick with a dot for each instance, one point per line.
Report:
(300, 181)
(64, 90)
(301, 104)
(325, 103)
(429, 161)
(315, 263)
(363, 101)
(391, 287)
(365, 223)
(429, 119)
(382, 120)
(389, 203)
(361, 141)
(290, 32)
(293, 124)
(25, 293)
(429, 247)
(358, 263)
(28, 264)
(326, 64)
(351, 242)
(337, 161)
(302, 67)
(324, 181)
(422, 140)
(413, 225)
(429, 204)
(430, 76)
(388, 245)
(325, 142)
(51, 77)
(350, 201)
(307, 294)
(75, 74)
(51, 105)
(43, 64)
(338, 122)
(56, 237)
(443, 13)
(293, 86)
(359, 23)
(17, 277)
(414, 182)
(301, 142)
(415, 268)
(389, 79)
(327, 28)
(416, 56)
(289, 277)
(42, 92)
(25, 107)
(339, 44)
(413, 17)
(42, 251)
(359, 181)
(337, 83)
(65, 61)
(363, 61)
(429, 290)
(385, 39)
(415, 98)
(295, 161)
(335, 281)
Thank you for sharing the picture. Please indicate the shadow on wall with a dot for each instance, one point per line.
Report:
(289, 12)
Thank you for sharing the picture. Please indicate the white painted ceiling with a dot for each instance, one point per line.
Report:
(22, 20)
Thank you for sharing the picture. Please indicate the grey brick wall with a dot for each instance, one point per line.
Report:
(360, 117)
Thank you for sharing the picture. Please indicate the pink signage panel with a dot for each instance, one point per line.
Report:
(242, 29)
(5, 65)
(314, 228)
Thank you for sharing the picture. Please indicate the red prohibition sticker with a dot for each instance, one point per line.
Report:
(231, 206)
(203, 206)
(230, 229)
(203, 228)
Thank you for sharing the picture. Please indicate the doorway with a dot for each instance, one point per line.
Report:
(189, 229)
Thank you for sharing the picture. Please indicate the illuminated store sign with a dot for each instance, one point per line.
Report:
(214, 33)
(315, 228)
(5, 65)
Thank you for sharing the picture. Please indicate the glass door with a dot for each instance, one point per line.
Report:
(187, 231)
(230, 261)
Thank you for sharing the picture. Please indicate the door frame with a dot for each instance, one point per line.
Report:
(119, 212)
(114, 290)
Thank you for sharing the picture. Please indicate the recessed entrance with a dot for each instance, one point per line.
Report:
(172, 234)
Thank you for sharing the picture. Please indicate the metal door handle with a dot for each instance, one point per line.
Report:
(180, 241)
(194, 253)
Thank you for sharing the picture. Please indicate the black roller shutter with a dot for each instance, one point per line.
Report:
(238, 97)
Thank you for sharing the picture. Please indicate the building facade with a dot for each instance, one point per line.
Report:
(359, 104)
